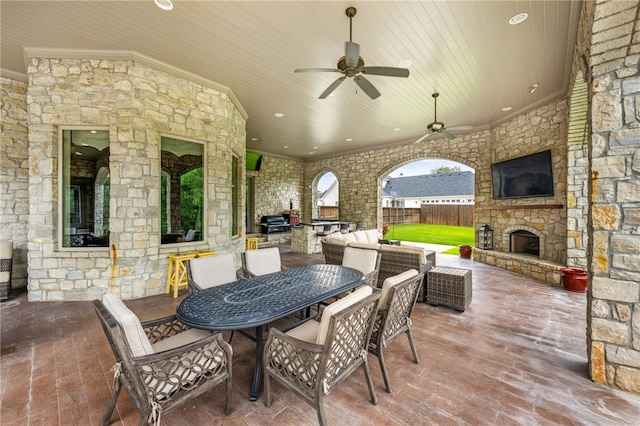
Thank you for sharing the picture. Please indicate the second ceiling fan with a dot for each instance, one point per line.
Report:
(437, 127)
(352, 65)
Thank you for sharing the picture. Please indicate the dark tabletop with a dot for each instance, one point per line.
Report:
(266, 298)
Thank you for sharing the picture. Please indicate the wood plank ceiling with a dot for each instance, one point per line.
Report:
(466, 50)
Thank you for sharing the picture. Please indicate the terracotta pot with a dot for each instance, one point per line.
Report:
(465, 251)
(574, 279)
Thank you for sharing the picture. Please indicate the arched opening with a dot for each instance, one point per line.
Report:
(326, 190)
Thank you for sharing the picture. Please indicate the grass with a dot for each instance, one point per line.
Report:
(433, 234)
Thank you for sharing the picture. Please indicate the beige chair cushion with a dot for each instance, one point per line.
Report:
(338, 306)
(210, 271)
(406, 249)
(372, 236)
(364, 260)
(180, 339)
(130, 324)
(392, 281)
(307, 331)
(263, 261)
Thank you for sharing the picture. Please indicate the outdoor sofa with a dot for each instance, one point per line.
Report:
(395, 259)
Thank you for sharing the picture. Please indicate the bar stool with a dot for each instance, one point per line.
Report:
(251, 244)
(177, 273)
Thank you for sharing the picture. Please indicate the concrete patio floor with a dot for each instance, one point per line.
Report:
(516, 356)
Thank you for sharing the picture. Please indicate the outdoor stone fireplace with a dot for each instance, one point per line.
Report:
(525, 242)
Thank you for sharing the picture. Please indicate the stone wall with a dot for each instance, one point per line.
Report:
(138, 104)
(614, 232)
(14, 174)
(278, 184)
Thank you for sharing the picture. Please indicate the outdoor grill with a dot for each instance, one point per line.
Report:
(270, 224)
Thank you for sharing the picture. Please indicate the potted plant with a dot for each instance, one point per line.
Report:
(574, 279)
(465, 251)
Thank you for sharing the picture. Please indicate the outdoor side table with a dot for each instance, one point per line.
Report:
(177, 273)
(449, 287)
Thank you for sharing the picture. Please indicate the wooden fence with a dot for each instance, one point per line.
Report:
(437, 214)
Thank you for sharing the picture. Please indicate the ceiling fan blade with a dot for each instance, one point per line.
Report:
(366, 86)
(453, 128)
(386, 71)
(317, 70)
(331, 88)
(446, 134)
(421, 138)
(351, 53)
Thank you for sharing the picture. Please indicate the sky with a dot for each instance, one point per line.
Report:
(421, 167)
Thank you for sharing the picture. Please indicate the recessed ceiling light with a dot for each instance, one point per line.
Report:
(254, 139)
(406, 63)
(164, 4)
(310, 152)
(348, 139)
(518, 18)
(507, 108)
(315, 147)
(533, 87)
(286, 146)
(93, 131)
(279, 114)
(396, 129)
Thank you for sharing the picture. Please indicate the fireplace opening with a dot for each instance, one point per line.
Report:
(525, 242)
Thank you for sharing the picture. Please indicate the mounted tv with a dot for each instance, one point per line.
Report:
(528, 176)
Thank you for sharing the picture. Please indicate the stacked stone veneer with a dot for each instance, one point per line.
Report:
(14, 175)
(614, 213)
(278, 184)
(138, 104)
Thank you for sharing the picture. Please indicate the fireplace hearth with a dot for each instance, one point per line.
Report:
(525, 242)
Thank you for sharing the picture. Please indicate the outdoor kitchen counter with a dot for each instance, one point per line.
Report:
(304, 239)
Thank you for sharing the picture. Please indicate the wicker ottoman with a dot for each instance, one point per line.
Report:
(450, 287)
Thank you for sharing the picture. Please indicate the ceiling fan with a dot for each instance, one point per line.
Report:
(352, 65)
(437, 127)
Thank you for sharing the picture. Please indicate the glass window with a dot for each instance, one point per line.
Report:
(84, 188)
(181, 191)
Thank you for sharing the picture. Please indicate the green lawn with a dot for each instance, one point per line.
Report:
(433, 234)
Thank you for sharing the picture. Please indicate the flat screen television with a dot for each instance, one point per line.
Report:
(528, 176)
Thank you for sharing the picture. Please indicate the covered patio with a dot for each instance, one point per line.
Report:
(517, 355)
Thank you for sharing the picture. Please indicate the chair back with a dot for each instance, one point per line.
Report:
(398, 298)
(347, 338)
(359, 226)
(261, 262)
(364, 260)
(210, 271)
(344, 228)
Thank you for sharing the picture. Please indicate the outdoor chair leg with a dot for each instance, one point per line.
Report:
(413, 347)
(383, 369)
(112, 403)
(372, 390)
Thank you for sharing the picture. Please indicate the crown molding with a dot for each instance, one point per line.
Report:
(131, 55)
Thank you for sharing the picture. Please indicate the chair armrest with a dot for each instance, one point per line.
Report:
(161, 328)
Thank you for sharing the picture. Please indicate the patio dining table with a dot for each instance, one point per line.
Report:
(260, 300)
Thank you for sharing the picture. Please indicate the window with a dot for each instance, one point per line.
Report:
(181, 191)
(84, 188)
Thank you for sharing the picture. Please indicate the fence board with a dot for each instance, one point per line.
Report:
(438, 214)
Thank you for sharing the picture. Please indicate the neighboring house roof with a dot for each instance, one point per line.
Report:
(432, 185)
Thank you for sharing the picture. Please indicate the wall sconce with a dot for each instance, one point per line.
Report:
(485, 237)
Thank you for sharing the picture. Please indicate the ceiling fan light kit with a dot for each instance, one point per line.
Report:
(352, 65)
(438, 127)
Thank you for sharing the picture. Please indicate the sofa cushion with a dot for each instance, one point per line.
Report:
(336, 240)
(368, 246)
(372, 236)
(307, 331)
(360, 236)
(405, 249)
(349, 237)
